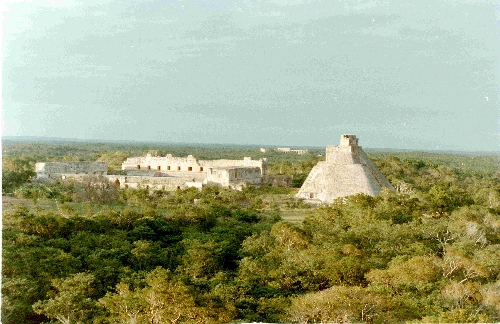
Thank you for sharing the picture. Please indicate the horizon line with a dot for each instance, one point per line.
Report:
(25, 138)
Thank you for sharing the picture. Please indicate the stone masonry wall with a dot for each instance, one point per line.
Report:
(170, 163)
(55, 169)
(162, 163)
(234, 177)
(166, 172)
(156, 183)
(346, 171)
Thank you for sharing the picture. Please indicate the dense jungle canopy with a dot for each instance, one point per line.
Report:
(74, 252)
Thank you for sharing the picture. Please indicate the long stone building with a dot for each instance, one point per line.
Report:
(58, 170)
(167, 172)
(346, 171)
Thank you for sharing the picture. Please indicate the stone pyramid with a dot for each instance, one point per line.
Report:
(346, 171)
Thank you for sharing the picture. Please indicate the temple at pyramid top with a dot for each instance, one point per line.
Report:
(348, 140)
(346, 171)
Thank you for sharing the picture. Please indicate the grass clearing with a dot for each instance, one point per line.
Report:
(295, 215)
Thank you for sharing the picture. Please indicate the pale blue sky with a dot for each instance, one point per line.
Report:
(400, 74)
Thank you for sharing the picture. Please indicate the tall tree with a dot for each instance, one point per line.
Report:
(69, 300)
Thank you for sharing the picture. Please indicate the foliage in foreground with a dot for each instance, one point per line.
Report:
(430, 253)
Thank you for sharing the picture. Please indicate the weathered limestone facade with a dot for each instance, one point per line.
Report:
(299, 152)
(346, 171)
(170, 163)
(58, 170)
(169, 172)
(151, 182)
(284, 149)
(289, 150)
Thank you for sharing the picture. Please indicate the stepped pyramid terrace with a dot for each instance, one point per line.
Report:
(346, 171)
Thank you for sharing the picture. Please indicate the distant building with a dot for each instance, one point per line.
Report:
(169, 172)
(289, 150)
(284, 149)
(263, 150)
(299, 152)
(58, 170)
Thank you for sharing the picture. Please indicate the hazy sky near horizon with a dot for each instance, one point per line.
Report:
(399, 74)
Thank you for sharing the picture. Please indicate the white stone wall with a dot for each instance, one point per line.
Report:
(166, 172)
(163, 163)
(348, 140)
(246, 162)
(153, 183)
(241, 177)
(170, 163)
(56, 169)
(234, 177)
(288, 150)
(283, 149)
(218, 176)
(343, 154)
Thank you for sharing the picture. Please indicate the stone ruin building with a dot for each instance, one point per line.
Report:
(169, 172)
(346, 171)
(289, 150)
(60, 170)
(166, 172)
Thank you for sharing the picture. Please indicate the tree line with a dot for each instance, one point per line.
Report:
(429, 253)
